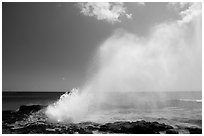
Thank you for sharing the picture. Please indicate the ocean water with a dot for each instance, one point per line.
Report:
(13, 100)
(179, 108)
(174, 108)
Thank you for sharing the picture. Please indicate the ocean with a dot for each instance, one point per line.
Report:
(179, 108)
(13, 100)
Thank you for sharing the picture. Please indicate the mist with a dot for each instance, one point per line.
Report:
(168, 58)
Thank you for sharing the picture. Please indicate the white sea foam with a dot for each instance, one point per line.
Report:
(191, 100)
(70, 107)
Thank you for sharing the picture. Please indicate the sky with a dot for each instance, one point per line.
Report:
(53, 46)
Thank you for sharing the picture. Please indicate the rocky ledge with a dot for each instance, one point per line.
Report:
(31, 120)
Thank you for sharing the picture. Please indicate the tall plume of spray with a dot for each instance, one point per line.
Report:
(168, 59)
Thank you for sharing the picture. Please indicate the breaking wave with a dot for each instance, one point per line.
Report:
(191, 100)
(70, 107)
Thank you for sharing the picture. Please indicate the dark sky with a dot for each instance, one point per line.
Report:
(49, 46)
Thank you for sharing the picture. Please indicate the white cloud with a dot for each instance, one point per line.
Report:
(193, 10)
(141, 3)
(178, 5)
(110, 12)
(187, 10)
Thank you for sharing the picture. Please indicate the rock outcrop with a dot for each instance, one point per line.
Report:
(32, 120)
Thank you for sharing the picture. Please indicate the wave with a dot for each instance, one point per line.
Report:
(191, 100)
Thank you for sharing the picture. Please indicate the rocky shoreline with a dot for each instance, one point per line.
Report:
(31, 120)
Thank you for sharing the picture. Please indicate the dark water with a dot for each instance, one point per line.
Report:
(13, 100)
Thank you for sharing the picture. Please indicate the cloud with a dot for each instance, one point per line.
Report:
(178, 5)
(187, 10)
(193, 10)
(110, 12)
(141, 3)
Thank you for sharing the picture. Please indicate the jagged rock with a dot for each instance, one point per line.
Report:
(172, 131)
(138, 127)
(32, 120)
(23, 112)
(11, 117)
(194, 130)
(27, 109)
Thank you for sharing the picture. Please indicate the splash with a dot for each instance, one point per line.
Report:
(169, 58)
(70, 107)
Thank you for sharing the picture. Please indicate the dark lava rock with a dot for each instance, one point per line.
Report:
(172, 131)
(190, 129)
(194, 130)
(27, 109)
(13, 116)
(32, 120)
(138, 127)
(31, 129)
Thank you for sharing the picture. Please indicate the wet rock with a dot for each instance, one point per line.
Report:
(11, 117)
(190, 129)
(23, 112)
(27, 109)
(138, 127)
(172, 131)
(194, 130)
(32, 120)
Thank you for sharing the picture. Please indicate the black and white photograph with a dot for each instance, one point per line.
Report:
(101, 67)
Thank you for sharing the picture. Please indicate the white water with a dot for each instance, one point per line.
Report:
(169, 58)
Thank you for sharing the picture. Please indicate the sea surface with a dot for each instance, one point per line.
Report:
(177, 108)
(13, 100)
